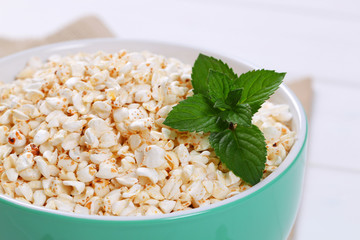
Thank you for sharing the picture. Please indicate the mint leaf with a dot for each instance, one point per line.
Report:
(201, 69)
(195, 113)
(234, 97)
(258, 86)
(242, 150)
(241, 115)
(219, 85)
(220, 104)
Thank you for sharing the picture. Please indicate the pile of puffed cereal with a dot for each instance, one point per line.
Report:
(84, 134)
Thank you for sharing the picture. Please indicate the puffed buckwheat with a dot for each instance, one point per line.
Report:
(84, 134)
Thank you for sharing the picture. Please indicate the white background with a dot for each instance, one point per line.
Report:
(316, 38)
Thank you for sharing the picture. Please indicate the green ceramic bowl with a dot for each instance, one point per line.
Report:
(265, 211)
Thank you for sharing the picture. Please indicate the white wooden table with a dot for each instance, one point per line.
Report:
(319, 39)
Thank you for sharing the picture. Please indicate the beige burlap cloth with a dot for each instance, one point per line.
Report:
(93, 27)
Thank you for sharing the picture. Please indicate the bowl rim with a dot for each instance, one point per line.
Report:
(289, 161)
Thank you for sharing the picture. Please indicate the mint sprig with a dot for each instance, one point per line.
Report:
(224, 104)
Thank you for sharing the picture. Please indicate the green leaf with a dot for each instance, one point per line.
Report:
(234, 97)
(219, 85)
(242, 150)
(195, 113)
(241, 115)
(220, 104)
(258, 86)
(201, 69)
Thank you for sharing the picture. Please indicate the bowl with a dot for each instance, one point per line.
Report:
(265, 211)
